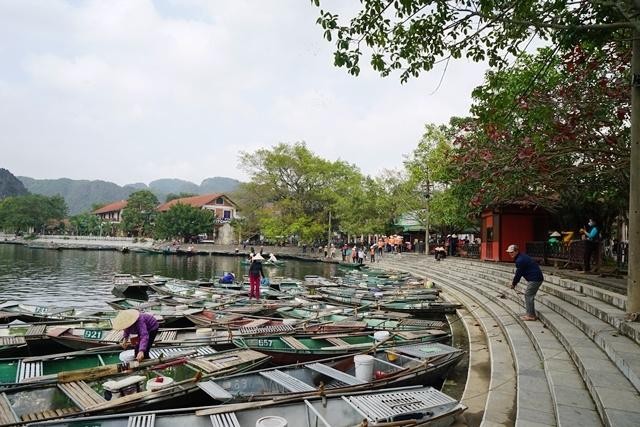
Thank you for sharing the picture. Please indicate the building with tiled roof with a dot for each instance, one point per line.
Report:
(221, 205)
(111, 212)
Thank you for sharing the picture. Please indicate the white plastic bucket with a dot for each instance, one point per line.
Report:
(271, 421)
(381, 336)
(127, 355)
(159, 382)
(364, 367)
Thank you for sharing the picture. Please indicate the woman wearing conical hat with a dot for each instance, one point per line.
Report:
(142, 324)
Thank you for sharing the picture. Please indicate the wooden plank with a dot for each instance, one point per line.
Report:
(81, 394)
(337, 342)
(7, 416)
(256, 323)
(294, 343)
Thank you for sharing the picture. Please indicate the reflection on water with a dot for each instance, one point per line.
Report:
(84, 278)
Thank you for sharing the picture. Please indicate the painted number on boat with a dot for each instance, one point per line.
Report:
(41, 310)
(92, 334)
(265, 343)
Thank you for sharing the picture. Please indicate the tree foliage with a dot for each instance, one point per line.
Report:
(85, 224)
(184, 221)
(565, 143)
(292, 191)
(20, 213)
(412, 36)
(139, 215)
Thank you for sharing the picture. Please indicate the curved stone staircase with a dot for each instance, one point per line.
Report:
(578, 366)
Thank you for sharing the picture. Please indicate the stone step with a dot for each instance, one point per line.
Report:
(620, 349)
(501, 397)
(616, 397)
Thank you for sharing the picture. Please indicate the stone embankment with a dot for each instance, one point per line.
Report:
(578, 366)
(118, 243)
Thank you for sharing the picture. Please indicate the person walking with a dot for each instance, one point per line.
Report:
(144, 325)
(530, 270)
(255, 276)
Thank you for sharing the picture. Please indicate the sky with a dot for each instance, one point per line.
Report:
(131, 91)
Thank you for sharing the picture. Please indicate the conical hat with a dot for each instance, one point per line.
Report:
(258, 258)
(124, 319)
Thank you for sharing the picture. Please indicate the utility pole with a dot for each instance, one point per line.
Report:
(633, 279)
(329, 232)
(427, 196)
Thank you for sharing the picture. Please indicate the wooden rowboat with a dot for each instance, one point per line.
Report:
(415, 406)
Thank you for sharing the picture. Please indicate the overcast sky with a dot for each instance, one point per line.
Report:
(136, 90)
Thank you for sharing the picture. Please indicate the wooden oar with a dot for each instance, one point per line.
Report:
(89, 374)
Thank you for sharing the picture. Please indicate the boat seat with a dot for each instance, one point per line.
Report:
(35, 330)
(267, 330)
(225, 420)
(335, 374)
(294, 343)
(256, 323)
(28, 370)
(214, 390)
(147, 420)
(48, 414)
(113, 336)
(167, 336)
(81, 394)
(287, 381)
(7, 416)
(338, 341)
(12, 340)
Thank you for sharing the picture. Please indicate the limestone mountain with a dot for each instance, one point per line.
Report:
(81, 195)
(10, 185)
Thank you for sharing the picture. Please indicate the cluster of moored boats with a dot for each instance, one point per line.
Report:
(357, 350)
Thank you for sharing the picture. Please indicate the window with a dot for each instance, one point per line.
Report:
(219, 201)
(226, 215)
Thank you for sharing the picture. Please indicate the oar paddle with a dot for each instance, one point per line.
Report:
(89, 374)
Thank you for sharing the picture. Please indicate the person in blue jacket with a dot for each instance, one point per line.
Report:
(530, 270)
(590, 243)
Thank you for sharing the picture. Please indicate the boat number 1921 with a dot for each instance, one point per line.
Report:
(92, 334)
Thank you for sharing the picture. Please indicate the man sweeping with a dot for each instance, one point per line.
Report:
(142, 324)
(530, 270)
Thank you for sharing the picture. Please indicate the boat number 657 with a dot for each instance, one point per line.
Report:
(265, 343)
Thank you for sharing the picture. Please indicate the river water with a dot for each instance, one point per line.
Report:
(85, 278)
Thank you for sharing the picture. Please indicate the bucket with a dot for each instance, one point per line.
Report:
(364, 367)
(271, 421)
(159, 382)
(127, 355)
(381, 336)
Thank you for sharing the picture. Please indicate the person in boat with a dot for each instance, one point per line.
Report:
(272, 258)
(134, 322)
(255, 275)
(228, 278)
(440, 253)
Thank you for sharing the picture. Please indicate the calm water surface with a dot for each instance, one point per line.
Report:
(84, 278)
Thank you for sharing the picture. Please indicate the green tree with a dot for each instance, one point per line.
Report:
(139, 215)
(295, 188)
(184, 221)
(85, 224)
(33, 211)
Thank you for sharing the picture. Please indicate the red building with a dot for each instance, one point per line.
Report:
(511, 224)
